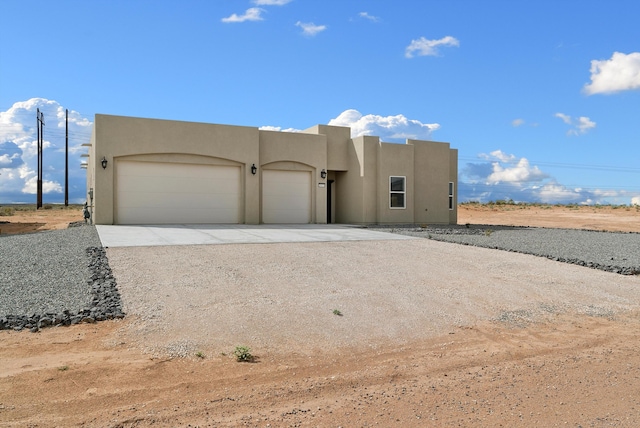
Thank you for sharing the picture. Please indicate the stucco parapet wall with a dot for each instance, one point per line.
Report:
(123, 136)
(338, 138)
(309, 149)
(428, 142)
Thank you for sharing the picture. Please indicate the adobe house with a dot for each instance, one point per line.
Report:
(149, 171)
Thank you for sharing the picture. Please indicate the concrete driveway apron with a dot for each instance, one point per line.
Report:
(211, 234)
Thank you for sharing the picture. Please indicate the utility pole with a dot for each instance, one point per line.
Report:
(66, 158)
(38, 150)
(40, 123)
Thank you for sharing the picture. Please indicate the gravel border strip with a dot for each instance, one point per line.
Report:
(105, 299)
(511, 241)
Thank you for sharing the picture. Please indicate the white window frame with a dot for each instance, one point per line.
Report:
(402, 192)
(451, 195)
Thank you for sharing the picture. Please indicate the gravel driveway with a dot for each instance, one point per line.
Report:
(280, 298)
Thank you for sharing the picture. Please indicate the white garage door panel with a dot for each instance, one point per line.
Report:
(175, 216)
(286, 196)
(164, 193)
(179, 201)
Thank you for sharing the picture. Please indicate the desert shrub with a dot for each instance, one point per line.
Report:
(6, 211)
(243, 354)
(507, 202)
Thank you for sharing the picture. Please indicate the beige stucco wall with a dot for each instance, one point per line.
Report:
(298, 151)
(356, 188)
(432, 168)
(395, 160)
(337, 145)
(362, 192)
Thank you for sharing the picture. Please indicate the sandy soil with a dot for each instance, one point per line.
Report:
(625, 219)
(574, 368)
(31, 220)
(614, 219)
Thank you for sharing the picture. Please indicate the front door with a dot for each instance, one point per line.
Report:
(329, 199)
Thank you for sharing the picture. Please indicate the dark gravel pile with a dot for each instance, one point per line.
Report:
(616, 252)
(53, 278)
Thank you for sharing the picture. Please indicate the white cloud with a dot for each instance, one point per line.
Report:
(585, 124)
(48, 186)
(278, 129)
(271, 2)
(251, 14)
(426, 47)
(566, 119)
(507, 168)
(555, 193)
(517, 122)
(521, 172)
(635, 200)
(310, 29)
(580, 126)
(386, 127)
(7, 160)
(499, 155)
(620, 73)
(371, 18)
(18, 151)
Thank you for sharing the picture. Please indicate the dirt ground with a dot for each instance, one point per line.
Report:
(571, 371)
(611, 218)
(28, 219)
(601, 217)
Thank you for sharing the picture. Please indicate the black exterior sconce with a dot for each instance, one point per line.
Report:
(323, 174)
(104, 162)
(254, 169)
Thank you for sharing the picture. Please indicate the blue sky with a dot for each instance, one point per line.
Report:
(542, 98)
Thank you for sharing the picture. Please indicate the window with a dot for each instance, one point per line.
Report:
(397, 192)
(451, 195)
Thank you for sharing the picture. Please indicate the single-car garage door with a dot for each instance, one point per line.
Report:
(178, 193)
(286, 196)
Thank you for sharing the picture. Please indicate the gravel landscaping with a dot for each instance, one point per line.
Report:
(57, 277)
(62, 277)
(616, 252)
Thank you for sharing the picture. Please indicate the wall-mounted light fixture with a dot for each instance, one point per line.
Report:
(254, 169)
(323, 174)
(104, 162)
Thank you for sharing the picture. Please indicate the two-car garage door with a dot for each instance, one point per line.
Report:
(177, 193)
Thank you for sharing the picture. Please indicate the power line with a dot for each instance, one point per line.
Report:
(54, 130)
(61, 135)
(518, 187)
(565, 165)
